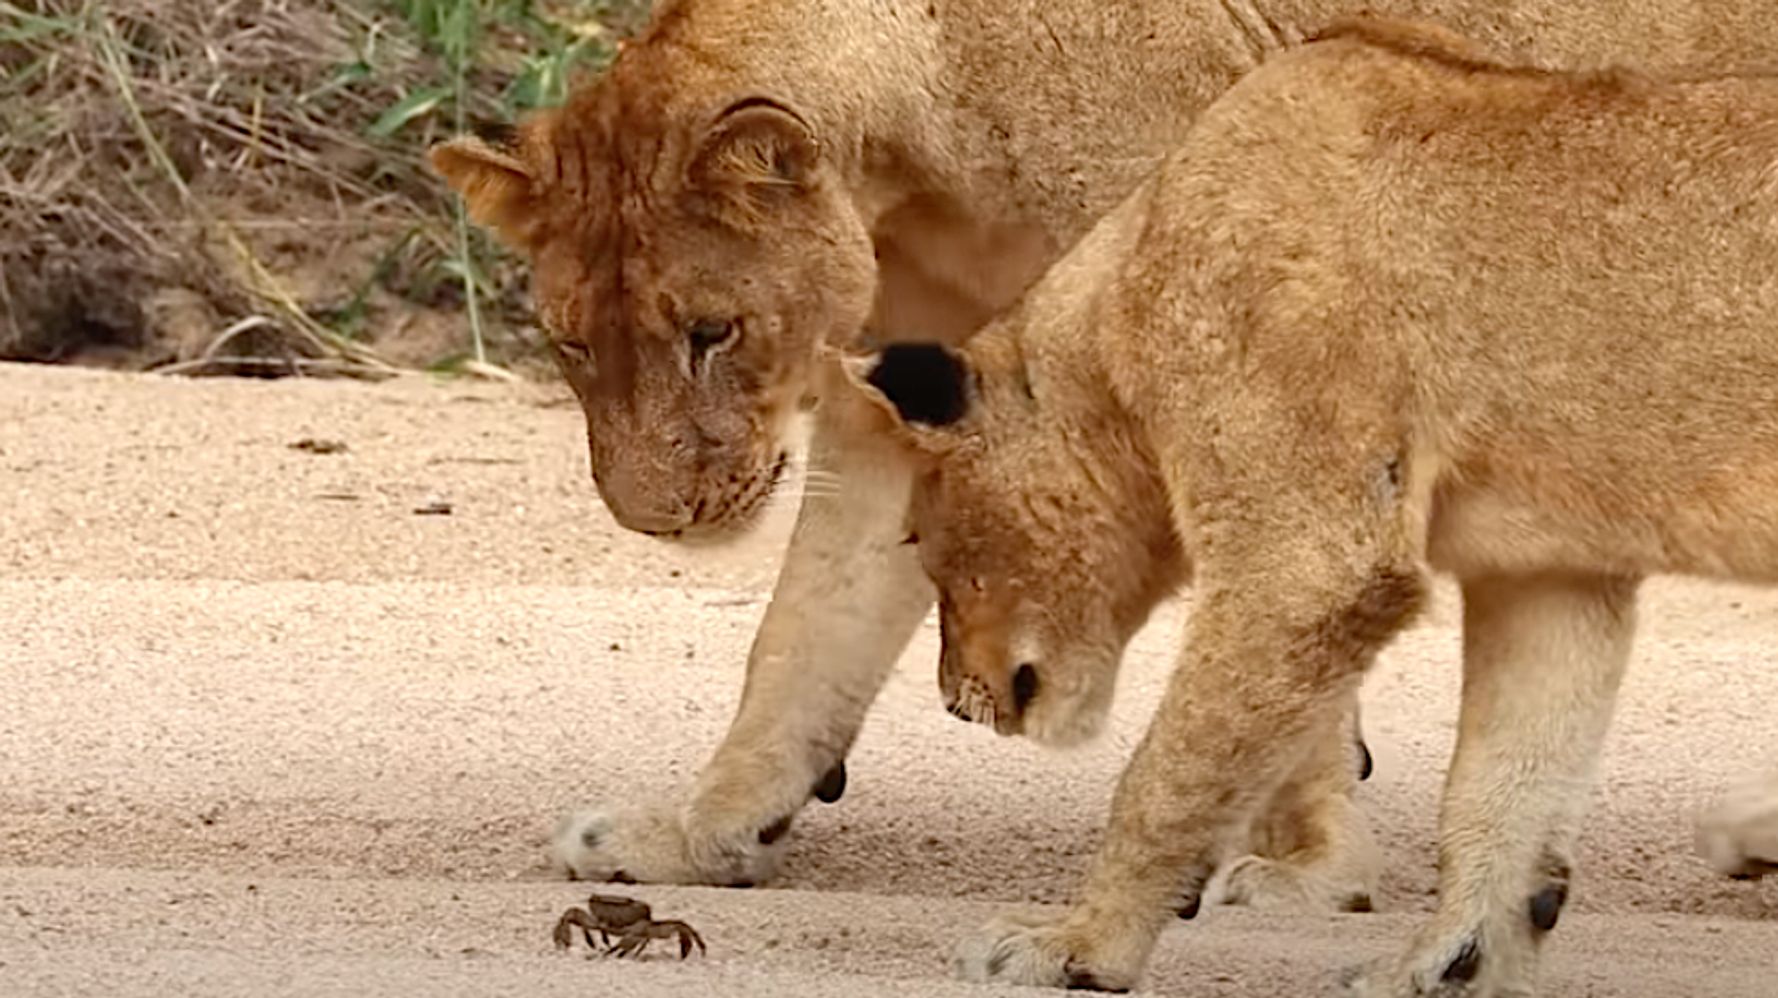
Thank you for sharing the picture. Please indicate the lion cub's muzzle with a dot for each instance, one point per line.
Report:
(709, 507)
(999, 705)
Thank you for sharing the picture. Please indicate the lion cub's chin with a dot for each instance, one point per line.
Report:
(1068, 724)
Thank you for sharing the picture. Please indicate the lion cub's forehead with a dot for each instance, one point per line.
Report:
(613, 147)
(974, 528)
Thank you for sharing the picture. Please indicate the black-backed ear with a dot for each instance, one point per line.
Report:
(756, 149)
(929, 384)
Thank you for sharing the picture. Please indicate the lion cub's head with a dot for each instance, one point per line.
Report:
(1043, 527)
(691, 245)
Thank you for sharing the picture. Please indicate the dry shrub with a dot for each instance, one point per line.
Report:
(239, 185)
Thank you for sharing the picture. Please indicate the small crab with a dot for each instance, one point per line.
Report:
(630, 920)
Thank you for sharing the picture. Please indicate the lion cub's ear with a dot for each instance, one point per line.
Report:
(495, 183)
(927, 387)
(756, 150)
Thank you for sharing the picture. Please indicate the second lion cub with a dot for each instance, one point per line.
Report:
(1393, 308)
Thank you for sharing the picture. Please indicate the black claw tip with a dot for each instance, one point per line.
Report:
(1755, 869)
(1083, 980)
(1546, 906)
(1366, 765)
(1465, 965)
(832, 785)
(774, 831)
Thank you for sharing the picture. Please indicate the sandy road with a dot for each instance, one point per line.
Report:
(266, 730)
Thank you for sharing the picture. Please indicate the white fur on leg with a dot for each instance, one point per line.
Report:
(1543, 660)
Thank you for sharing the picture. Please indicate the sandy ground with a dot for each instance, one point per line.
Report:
(266, 730)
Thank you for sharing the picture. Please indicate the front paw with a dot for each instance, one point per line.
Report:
(1072, 951)
(1739, 835)
(654, 845)
(1273, 885)
(1368, 980)
(1453, 968)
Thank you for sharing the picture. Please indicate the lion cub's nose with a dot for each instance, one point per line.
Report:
(1024, 686)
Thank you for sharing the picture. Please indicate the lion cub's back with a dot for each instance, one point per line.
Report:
(1392, 171)
(1568, 281)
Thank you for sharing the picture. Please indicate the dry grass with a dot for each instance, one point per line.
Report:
(172, 171)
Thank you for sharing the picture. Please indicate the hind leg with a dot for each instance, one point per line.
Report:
(1312, 848)
(1542, 661)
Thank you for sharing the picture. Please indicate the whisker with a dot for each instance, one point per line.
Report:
(818, 486)
(794, 498)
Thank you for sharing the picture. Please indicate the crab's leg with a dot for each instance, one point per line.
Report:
(565, 926)
(631, 942)
(688, 937)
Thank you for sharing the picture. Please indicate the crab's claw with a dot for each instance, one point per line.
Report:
(564, 934)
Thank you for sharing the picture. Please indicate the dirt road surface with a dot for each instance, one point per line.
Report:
(266, 730)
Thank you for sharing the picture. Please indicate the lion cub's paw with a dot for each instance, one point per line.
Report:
(1739, 835)
(1371, 980)
(1384, 978)
(652, 845)
(1045, 951)
(1447, 966)
(1270, 885)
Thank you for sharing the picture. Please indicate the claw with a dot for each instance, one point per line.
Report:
(832, 785)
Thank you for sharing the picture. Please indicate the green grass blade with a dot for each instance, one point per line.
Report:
(414, 105)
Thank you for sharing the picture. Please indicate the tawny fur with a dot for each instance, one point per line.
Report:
(912, 167)
(1391, 308)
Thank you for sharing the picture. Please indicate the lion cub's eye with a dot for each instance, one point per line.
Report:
(708, 334)
(911, 538)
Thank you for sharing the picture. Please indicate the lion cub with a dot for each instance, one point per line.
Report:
(1393, 308)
